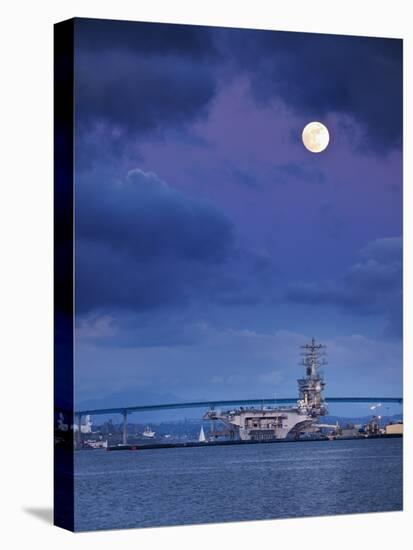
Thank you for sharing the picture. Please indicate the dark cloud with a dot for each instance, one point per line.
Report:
(144, 216)
(142, 245)
(134, 95)
(138, 241)
(99, 35)
(371, 286)
(135, 79)
(318, 74)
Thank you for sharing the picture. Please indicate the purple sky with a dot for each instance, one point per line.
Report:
(210, 243)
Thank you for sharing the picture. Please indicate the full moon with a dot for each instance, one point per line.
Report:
(315, 137)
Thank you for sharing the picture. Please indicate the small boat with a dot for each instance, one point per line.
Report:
(148, 433)
(202, 437)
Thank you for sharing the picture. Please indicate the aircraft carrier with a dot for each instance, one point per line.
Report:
(270, 423)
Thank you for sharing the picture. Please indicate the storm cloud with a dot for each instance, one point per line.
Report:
(372, 285)
(316, 75)
(141, 245)
(145, 79)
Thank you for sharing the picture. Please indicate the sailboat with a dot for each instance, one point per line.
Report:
(202, 437)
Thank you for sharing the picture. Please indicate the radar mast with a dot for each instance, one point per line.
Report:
(311, 399)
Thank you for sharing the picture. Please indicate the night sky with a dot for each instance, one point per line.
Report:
(210, 243)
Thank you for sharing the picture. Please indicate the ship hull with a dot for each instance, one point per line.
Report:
(264, 424)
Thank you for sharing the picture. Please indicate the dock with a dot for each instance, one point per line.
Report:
(191, 444)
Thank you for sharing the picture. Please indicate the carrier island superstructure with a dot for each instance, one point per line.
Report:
(267, 423)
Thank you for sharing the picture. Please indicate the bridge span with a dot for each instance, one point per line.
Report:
(124, 411)
(230, 403)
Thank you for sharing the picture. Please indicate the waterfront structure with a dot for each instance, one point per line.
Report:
(267, 423)
(394, 429)
(85, 427)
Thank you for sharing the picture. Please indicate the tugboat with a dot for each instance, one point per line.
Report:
(148, 433)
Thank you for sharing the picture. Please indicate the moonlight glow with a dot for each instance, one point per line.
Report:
(315, 137)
